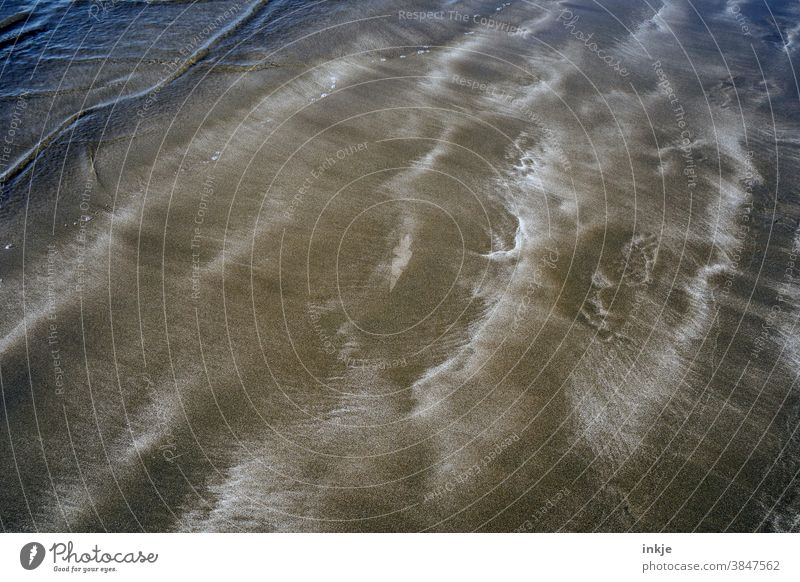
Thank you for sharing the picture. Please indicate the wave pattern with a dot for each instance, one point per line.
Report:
(327, 266)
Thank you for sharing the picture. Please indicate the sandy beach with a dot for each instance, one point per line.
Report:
(357, 266)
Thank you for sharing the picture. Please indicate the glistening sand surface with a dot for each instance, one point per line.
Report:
(323, 266)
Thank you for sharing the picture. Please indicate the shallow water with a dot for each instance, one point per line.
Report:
(335, 266)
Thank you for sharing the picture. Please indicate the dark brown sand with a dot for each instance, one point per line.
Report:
(348, 270)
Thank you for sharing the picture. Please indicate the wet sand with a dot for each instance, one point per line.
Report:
(296, 266)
